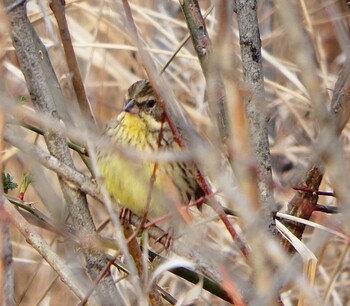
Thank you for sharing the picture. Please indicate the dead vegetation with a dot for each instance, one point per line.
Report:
(305, 99)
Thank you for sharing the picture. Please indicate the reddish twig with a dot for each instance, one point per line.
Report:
(302, 205)
(317, 192)
(58, 9)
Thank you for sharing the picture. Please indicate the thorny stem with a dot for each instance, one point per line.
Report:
(97, 280)
(184, 41)
(316, 192)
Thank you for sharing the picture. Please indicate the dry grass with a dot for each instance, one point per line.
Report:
(109, 63)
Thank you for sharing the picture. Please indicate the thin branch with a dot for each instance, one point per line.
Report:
(255, 103)
(203, 48)
(46, 95)
(178, 247)
(327, 148)
(137, 255)
(198, 31)
(258, 184)
(58, 9)
(77, 286)
(302, 205)
(84, 183)
(322, 193)
(76, 147)
(194, 278)
(327, 209)
(6, 261)
(183, 42)
(81, 181)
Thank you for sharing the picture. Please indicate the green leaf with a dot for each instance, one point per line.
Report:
(8, 182)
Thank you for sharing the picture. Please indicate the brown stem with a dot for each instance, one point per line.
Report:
(58, 9)
(136, 253)
(203, 48)
(302, 205)
(306, 189)
(46, 95)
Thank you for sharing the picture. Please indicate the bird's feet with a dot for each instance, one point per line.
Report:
(125, 215)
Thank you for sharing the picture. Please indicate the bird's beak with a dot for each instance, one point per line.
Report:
(131, 107)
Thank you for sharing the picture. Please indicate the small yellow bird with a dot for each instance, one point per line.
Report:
(141, 128)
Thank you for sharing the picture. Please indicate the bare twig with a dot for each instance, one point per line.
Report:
(42, 85)
(6, 262)
(178, 247)
(261, 198)
(327, 209)
(81, 181)
(320, 193)
(58, 9)
(198, 31)
(302, 205)
(327, 148)
(76, 147)
(34, 239)
(183, 42)
(255, 103)
(203, 48)
(136, 253)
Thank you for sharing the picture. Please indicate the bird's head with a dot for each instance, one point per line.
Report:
(141, 101)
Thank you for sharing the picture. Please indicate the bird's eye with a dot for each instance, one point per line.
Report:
(150, 103)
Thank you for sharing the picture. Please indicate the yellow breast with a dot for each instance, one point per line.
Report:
(129, 180)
